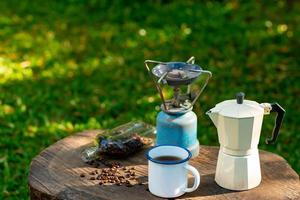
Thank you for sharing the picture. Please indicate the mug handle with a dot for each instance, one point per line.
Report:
(196, 178)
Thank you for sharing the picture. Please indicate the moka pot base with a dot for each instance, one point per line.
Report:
(238, 172)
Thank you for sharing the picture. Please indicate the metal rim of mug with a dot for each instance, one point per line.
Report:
(169, 162)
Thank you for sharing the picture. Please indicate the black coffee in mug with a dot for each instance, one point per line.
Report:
(167, 158)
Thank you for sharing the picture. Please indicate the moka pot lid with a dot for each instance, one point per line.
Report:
(239, 108)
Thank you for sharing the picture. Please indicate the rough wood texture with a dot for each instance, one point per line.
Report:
(55, 174)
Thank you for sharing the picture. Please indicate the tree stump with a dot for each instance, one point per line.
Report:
(55, 174)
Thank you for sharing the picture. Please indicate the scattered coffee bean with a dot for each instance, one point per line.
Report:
(114, 173)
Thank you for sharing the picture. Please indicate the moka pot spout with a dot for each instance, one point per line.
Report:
(214, 115)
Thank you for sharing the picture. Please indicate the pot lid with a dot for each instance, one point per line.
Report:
(239, 108)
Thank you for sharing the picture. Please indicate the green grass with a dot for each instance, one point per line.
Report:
(67, 66)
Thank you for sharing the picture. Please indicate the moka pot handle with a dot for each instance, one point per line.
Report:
(275, 107)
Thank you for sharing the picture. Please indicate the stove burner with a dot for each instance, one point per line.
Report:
(177, 73)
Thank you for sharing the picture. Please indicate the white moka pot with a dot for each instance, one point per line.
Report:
(239, 123)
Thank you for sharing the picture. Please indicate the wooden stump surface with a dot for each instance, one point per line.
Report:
(55, 174)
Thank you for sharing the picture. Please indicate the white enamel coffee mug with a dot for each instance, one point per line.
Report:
(169, 179)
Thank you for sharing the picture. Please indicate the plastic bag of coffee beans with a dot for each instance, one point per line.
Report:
(121, 141)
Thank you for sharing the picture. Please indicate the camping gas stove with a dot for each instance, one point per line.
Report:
(176, 123)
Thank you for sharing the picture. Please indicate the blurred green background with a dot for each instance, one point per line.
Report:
(67, 66)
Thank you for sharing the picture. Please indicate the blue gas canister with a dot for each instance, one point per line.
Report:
(176, 123)
(178, 129)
